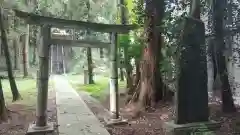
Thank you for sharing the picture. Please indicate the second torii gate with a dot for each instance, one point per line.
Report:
(59, 40)
(47, 40)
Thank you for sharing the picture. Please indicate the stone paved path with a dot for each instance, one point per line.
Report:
(74, 116)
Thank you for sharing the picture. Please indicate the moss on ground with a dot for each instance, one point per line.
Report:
(27, 88)
(97, 90)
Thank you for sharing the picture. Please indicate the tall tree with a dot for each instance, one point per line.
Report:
(89, 50)
(16, 54)
(151, 80)
(25, 46)
(3, 109)
(124, 21)
(226, 93)
(12, 82)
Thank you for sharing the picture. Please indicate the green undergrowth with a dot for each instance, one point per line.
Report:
(27, 89)
(99, 90)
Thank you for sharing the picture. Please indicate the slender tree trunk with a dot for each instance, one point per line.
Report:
(16, 56)
(214, 62)
(90, 66)
(34, 55)
(133, 91)
(12, 82)
(25, 52)
(138, 73)
(128, 68)
(135, 79)
(227, 97)
(63, 60)
(121, 62)
(3, 109)
(89, 52)
(101, 53)
(121, 74)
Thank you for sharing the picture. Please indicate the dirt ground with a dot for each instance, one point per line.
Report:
(151, 122)
(21, 116)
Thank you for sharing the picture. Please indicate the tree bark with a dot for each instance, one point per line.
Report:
(138, 73)
(230, 60)
(12, 82)
(90, 66)
(89, 52)
(101, 53)
(121, 74)
(34, 55)
(25, 47)
(151, 88)
(16, 54)
(128, 68)
(227, 97)
(135, 80)
(3, 109)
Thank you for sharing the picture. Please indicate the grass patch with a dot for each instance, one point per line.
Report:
(97, 90)
(27, 89)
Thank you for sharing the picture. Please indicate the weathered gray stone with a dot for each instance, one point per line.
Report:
(74, 116)
(34, 130)
(119, 121)
(200, 128)
(192, 93)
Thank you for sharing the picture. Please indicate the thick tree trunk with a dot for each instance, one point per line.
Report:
(230, 46)
(227, 97)
(150, 75)
(12, 82)
(226, 93)
(3, 109)
(151, 88)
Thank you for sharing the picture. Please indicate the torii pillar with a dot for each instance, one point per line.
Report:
(114, 93)
(41, 125)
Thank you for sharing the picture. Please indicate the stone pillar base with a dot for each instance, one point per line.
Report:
(35, 130)
(201, 128)
(119, 121)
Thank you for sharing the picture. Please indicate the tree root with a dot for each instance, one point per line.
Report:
(133, 98)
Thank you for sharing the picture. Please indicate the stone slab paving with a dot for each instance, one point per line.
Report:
(74, 116)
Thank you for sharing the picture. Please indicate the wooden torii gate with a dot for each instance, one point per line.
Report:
(68, 41)
(47, 40)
